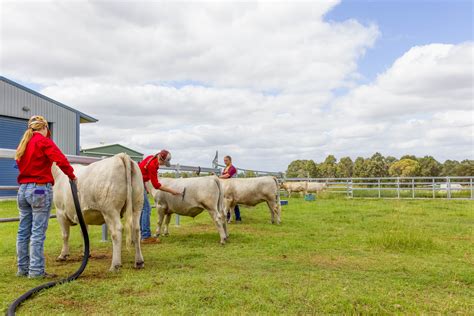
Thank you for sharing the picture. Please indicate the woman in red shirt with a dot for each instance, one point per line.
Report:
(34, 156)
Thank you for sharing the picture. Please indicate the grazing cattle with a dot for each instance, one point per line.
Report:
(203, 193)
(452, 187)
(107, 189)
(295, 186)
(315, 187)
(252, 191)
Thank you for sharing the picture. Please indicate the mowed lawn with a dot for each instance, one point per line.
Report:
(327, 256)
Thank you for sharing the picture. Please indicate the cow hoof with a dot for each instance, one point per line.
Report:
(115, 268)
(222, 242)
(166, 234)
(139, 265)
(62, 258)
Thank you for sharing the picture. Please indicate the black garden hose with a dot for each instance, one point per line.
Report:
(11, 310)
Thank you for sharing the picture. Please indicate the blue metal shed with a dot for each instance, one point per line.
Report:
(17, 104)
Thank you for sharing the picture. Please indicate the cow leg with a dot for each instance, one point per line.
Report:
(228, 208)
(274, 211)
(161, 216)
(167, 223)
(218, 220)
(139, 261)
(115, 226)
(224, 224)
(65, 228)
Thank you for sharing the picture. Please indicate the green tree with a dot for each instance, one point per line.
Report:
(450, 168)
(376, 166)
(429, 167)
(390, 159)
(412, 157)
(465, 168)
(345, 167)
(328, 167)
(250, 174)
(302, 169)
(359, 170)
(405, 168)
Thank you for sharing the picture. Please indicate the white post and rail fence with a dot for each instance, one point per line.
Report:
(382, 187)
(10, 154)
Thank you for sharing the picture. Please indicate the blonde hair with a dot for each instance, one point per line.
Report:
(35, 123)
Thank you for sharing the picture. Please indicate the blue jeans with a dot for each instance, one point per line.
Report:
(145, 218)
(34, 203)
(237, 214)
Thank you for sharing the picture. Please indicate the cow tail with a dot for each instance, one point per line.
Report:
(278, 195)
(220, 201)
(129, 201)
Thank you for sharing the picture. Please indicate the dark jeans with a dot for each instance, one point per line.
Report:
(237, 214)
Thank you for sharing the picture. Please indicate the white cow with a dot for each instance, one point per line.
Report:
(316, 187)
(295, 186)
(452, 187)
(252, 191)
(108, 189)
(203, 193)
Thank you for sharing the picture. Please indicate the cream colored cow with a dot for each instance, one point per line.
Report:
(252, 191)
(201, 193)
(108, 190)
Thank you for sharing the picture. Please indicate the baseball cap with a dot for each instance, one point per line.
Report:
(165, 156)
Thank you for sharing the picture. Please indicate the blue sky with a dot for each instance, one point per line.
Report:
(404, 24)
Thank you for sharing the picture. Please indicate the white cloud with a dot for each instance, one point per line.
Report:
(253, 80)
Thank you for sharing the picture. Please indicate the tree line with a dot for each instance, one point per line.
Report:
(379, 166)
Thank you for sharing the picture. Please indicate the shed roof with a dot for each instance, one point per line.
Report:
(84, 118)
(97, 149)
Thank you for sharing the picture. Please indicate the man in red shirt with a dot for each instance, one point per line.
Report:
(149, 168)
(34, 156)
(229, 172)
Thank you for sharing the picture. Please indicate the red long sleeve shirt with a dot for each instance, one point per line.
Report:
(150, 172)
(35, 164)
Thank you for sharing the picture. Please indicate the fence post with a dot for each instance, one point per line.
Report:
(178, 175)
(104, 232)
(412, 188)
(433, 185)
(472, 189)
(398, 187)
(378, 181)
(448, 186)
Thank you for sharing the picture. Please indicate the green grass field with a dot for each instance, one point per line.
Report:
(327, 256)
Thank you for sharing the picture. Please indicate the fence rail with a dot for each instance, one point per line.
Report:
(10, 154)
(399, 187)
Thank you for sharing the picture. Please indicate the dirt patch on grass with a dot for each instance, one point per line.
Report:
(94, 255)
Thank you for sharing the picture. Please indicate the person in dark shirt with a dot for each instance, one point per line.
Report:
(229, 172)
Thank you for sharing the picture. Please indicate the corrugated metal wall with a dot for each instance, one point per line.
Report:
(13, 99)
